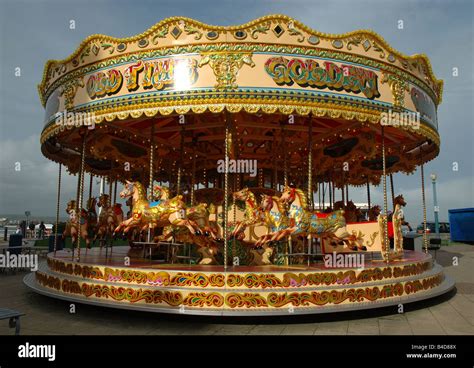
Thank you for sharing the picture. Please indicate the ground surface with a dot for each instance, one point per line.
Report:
(450, 314)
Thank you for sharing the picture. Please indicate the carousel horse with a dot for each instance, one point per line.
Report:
(374, 212)
(306, 222)
(110, 217)
(252, 213)
(351, 212)
(275, 217)
(331, 226)
(72, 228)
(197, 215)
(244, 223)
(170, 212)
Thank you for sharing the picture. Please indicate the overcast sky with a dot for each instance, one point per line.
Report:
(34, 31)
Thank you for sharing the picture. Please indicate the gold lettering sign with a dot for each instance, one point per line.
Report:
(160, 74)
(309, 73)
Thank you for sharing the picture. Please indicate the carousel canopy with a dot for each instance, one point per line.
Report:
(280, 87)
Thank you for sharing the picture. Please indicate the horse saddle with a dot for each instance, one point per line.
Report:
(155, 203)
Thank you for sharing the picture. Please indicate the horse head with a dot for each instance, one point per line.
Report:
(103, 200)
(266, 202)
(400, 200)
(350, 206)
(288, 195)
(71, 206)
(339, 205)
(242, 194)
(127, 190)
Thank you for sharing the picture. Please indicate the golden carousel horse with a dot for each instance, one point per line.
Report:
(169, 212)
(72, 228)
(252, 215)
(303, 221)
(274, 214)
(255, 222)
(331, 226)
(198, 214)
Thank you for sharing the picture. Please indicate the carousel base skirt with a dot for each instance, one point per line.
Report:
(120, 279)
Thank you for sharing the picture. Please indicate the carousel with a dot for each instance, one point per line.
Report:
(226, 157)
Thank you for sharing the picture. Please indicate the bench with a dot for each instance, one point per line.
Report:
(14, 318)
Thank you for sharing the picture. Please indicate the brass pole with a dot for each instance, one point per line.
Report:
(193, 177)
(151, 169)
(57, 210)
(78, 222)
(226, 188)
(310, 182)
(310, 164)
(425, 235)
(285, 163)
(386, 247)
(81, 192)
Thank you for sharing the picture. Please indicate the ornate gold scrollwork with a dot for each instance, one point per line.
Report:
(69, 90)
(226, 67)
(398, 87)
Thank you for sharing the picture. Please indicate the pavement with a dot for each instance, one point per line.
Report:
(449, 314)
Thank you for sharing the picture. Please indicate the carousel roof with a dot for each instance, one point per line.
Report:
(274, 82)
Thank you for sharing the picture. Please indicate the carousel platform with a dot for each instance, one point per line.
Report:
(102, 278)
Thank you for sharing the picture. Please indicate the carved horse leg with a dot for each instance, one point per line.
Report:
(188, 224)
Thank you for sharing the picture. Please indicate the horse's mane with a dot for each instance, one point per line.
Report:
(251, 196)
(302, 196)
(140, 188)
